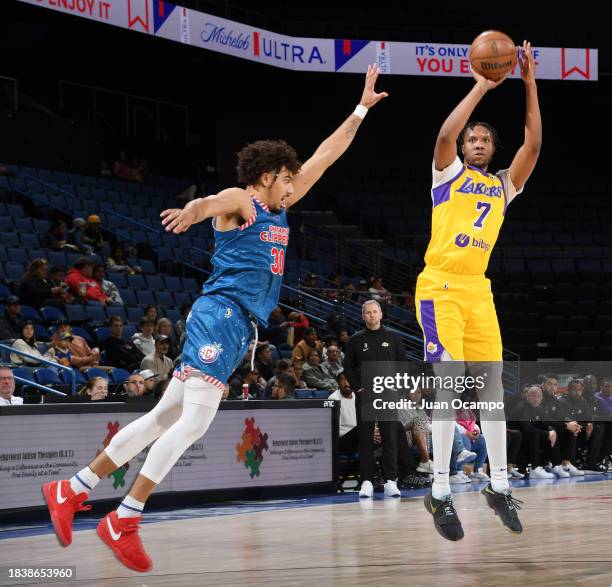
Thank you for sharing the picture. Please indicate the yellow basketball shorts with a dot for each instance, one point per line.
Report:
(457, 315)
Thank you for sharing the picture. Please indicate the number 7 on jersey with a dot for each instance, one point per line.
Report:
(486, 208)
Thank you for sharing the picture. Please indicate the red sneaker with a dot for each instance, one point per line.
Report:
(121, 535)
(63, 503)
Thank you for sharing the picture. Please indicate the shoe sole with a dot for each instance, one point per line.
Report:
(47, 499)
(118, 555)
(426, 504)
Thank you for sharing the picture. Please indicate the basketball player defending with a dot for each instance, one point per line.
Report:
(454, 303)
(251, 234)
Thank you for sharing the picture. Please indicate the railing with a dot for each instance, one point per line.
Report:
(45, 362)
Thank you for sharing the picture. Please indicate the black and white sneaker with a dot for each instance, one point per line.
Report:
(445, 516)
(504, 506)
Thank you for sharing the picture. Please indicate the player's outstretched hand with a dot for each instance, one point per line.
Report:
(485, 84)
(527, 63)
(176, 220)
(370, 97)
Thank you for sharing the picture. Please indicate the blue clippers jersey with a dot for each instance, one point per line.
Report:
(249, 261)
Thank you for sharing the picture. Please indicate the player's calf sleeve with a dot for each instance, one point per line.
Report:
(199, 409)
(137, 435)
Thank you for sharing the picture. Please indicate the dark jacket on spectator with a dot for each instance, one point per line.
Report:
(577, 409)
(553, 410)
(9, 328)
(123, 354)
(35, 292)
(529, 418)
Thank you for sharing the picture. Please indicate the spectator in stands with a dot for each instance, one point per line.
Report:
(83, 356)
(349, 432)
(343, 338)
(538, 435)
(415, 422)
(180, 324)
(263, 362)
(57, 237)
(282, 366)
(298, 323)
(330, 340)
(474, 442)
(144, 340)
(605, 395)
(283, 388)
(105, 170)
(276, 331)
(10, 321)
(60, 350)
(316, 375)
(81, 283)
(297, 368)
(57, 276)
(108, 287)
(119, 263)
(308, 343)
(27, 344)
(333, 364)
(7, 388)
(135, 385)
(150, 381)
(311, 281)
(151, 313)
(555, 413)
(334, 324)
(91, 236)
(363, 293)
(119, 352)
(378, 292)
(75, 236)
(591, 434)
(36, 289)
(164, 326)
(245, 375)
(121, 168)
(96, 388)
(158, 361)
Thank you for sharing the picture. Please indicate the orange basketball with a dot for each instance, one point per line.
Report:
(493, 55)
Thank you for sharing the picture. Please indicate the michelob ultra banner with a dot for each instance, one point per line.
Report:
(176, 23)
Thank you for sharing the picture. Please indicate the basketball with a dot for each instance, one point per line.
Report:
(493, 55)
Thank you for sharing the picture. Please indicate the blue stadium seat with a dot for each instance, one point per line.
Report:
(18, 256)
(321, 394)
(78, 331)
(29, 313)
(95, 372)
(145, 297)
(147, 266)
(181, 298)
(134, 314)
(57, 258)
(23, 225)
(116, 310)
(96, 314)
(24, 373)
(35, 253)
(164, 298)
(190, 284)
(15, 210)
(119, 375)
(41, 334)
(129, 330)
(155, 282)
(102, 333)
(5, 292)
(117, 278)
(304, 394)
(10, 239)
(136, 281)
(128, 296)
(173, 283)
(6, 223)
(47, 376)
(65, 376)
(76, 313)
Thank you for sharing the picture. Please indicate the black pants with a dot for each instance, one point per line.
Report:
(349, 443)
(536, 440)
(593, 443)
(391, 434)
(566, 440)
(513, 444)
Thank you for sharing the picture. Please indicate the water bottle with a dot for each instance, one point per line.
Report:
(245, 391)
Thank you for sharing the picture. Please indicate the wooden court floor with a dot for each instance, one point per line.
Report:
(567, 541)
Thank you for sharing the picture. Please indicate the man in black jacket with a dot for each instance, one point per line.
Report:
(10, 321)
(375, 343)
(119, 352)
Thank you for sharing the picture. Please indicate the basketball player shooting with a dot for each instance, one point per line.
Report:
(454, 303)
(251, 233)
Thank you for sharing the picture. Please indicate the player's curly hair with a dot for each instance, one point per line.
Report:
(470, 126)
(265, 156)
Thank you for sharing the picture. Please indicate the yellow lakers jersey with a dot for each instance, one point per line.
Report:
(468, 211)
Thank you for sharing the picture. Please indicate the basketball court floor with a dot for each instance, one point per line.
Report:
(340, 540)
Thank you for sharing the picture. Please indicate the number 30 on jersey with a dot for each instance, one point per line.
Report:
(278, 266)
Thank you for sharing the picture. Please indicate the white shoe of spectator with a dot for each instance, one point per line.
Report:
(540, 473)
(465, 456)
(573, 471)
(515, 474)
(479, 475)
(458, 478)
(426, 467)
(367, 489)
(391, 489)
(559, 471)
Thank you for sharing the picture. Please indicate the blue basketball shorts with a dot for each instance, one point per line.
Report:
(218, 333)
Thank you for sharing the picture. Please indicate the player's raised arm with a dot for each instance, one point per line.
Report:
(445, 150)
(526, 157)
(226, 202)
(338, 142)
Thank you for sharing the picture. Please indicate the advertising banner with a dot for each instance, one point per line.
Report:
(183, 25)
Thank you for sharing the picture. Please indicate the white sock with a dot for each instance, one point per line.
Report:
(84, 481)
(494, 432)
(442, 432)
(130, 507)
